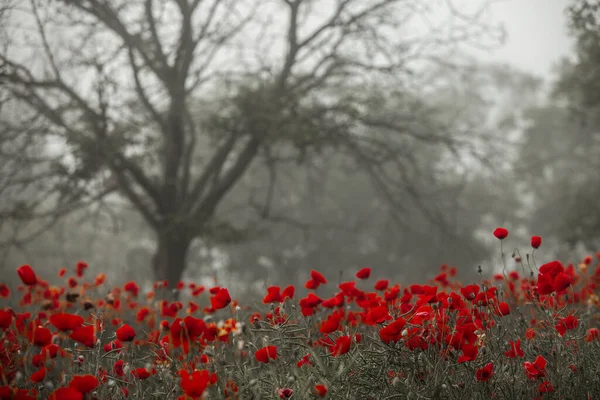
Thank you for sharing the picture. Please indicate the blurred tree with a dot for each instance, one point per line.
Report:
(449, 202)
(112, 86)
(560, 156)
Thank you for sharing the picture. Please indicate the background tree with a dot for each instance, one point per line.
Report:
(277, 81)
(561, 148)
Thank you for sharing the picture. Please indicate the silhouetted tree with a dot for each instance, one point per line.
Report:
(116, 84)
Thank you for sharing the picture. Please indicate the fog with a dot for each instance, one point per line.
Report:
(244, 143)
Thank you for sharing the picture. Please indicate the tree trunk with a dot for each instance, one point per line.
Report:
(169, 261)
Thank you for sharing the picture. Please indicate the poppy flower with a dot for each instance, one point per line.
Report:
(503, 309)
(142, 373)
(221, 299)
(125, 333)
(66, 322)
(27, 275)
(304, 361)
(501, 233)
(266, 353)
(6, 318)
(132, 287)
(285, 393)
(536, 241)
(84, 383)
(515, 350)
(4, 290)
(38, 375)
(80, 268)
(592, 334)
(562, 282)
(119, 368)
(320, 390)
(317, 276)
(485, 373)
(273, 295)
(316, 279)
(393, 331)
(84, 335)
(382, 284)
(546, 387)
(364, 273)
(341, 345)
(310, 301)
(469, 353)
(195, 384)
(567, 323)
(40, 336)
(537, 369)
(288, 292)
(331, 324)
(66, 393)
(470, 291)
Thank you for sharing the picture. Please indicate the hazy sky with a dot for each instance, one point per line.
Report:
(537, 34)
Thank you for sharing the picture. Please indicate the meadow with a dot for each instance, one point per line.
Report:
(530, 332)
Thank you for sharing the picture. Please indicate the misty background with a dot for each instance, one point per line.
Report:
(243, 143)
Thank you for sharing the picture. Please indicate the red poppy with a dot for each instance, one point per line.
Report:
(382, 284)
(27, 275)
(266, 353)
(125, 333)
(515, 350)
(321, 390)
(4, 290)
(84, 383)
(485, 373)
(392, 332)
(592, 334)
(80, 268)
(469, 353)
(562, 282)
(304, 361)
(66, 322)
(546, 387)
(221, 299)
(311, 284)
(40, 336)
(536, 241)
(318, 277)
(503, 309)
(288, 292)
(501, 233)
(38, 375)
(273, 295)
(142, 373)
(6, 317)
(66, 393)
(331, 324)
(364, 273)
(341, 346)
(470, 291)
(537, 369)
(567, 323)
(118, 368)
(285, 393)
(84, 335)
(132, 287)
(195, 384)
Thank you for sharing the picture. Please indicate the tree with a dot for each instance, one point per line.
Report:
(559, 156)
(277, 81)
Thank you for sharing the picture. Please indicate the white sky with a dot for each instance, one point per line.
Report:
(537, 34)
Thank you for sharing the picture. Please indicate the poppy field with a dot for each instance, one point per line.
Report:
(529, 332)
